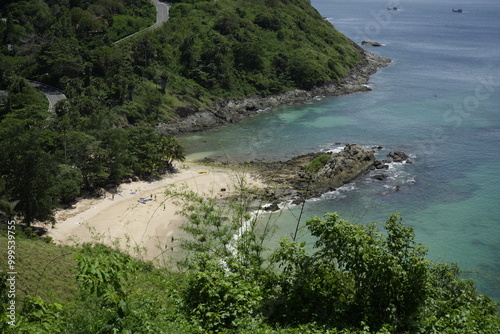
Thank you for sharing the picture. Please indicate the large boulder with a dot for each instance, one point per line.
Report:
(343, 167)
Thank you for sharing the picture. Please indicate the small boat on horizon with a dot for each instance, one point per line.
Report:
(457, 10)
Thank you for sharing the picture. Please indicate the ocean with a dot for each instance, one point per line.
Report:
(438, 101)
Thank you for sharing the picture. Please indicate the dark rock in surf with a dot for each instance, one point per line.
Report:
(274, 206)
(298, 201)
(397, 156)
(370, 43)
(379, 165)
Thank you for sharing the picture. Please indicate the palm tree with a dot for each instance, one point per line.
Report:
(170, 150)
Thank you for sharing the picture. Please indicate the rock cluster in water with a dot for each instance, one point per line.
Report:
(291, 180)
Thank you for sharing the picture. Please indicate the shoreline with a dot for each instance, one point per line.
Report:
(147, 229)
(234, 111)
(150, 228)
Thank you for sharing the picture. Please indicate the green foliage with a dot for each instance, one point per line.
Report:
(356, 276)
(236, 58)
(38, 316)
(225, 263)
(329, 289)
(121, 294)
(356, 279)
(317, 163)
(218, 298)
(389, 273)
(29, 174)
(89, 20)
(62, 58)
(124, 25)
(69, 183)
(103, 277)
(455, 305)
(26, 166)
(47, 161)
(213, 227)
(152, 151)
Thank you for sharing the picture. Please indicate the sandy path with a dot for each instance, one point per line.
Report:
(153, 226)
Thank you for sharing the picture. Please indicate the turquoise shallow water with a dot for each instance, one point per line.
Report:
(439, 101)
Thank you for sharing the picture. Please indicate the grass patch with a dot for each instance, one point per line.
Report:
(43, 269)
(317, 163)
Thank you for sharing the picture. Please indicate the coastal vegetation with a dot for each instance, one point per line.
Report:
(352, 279)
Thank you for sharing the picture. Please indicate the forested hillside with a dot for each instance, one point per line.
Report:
(116, 93)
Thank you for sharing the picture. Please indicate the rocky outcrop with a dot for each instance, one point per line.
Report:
(293, 181)
(298, 179)
(343, 168)
(233, 111)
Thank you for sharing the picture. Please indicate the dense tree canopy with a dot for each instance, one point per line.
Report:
(207, 51)
(47, 158)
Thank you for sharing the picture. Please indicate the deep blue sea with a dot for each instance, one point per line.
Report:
(439, 101)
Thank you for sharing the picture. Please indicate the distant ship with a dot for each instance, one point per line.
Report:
(392, 8)
(456, 10)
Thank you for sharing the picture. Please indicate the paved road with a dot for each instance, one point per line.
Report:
(161, 17)
(161, 12)
(53, 94)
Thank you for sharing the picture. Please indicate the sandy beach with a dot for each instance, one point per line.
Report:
(152, 224)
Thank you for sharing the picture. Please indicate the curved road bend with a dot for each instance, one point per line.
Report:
(162, 9)
(53, 94)
(161, 12)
